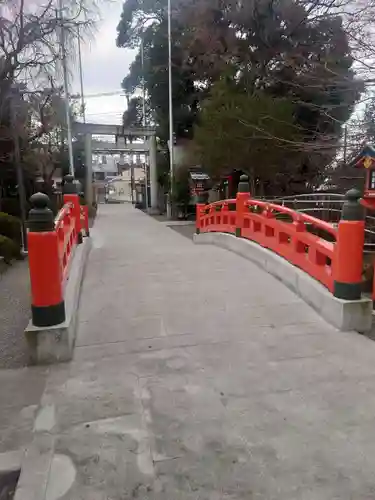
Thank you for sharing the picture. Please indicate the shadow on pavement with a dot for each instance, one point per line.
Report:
(186, 230)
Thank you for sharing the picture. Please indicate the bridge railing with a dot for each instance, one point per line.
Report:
(51, 246)
(65, 227)
(324, 206)
(332, 254)
(328, 207)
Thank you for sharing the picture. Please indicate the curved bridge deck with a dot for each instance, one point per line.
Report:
(199, 376)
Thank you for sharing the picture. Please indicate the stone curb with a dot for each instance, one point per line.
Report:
(345, 315)
(35, 468)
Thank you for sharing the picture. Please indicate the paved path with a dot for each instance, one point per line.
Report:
(197, 376)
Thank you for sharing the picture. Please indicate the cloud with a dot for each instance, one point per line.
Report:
(104, 67)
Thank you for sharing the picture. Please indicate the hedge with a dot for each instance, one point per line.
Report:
(10, 227)
(9, 249)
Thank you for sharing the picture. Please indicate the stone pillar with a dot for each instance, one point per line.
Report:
(243, 195)
(88, 163)
(153, 174)
(347, 265)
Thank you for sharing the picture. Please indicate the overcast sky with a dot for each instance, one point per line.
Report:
(104, 67)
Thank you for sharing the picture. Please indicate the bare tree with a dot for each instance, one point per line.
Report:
(31, 109)
(29, 37)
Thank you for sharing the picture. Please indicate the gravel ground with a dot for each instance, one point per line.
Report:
(14, 315)
(21, 387)
(187, 230)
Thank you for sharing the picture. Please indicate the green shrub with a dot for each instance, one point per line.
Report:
(9, 249)
(10, 227)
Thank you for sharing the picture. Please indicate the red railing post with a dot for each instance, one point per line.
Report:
(243, 195)
(198, 217)
(71, 196)
(348, 256)
(47, 300)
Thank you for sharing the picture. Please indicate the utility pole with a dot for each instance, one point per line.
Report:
(345, 142)
(66, 87)
(83, 106)
(143, 85)
(170, 99)
(19, 170)
(144, 116)
(88, 189)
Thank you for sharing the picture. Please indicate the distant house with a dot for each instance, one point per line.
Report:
(104, 166)
(345, 176)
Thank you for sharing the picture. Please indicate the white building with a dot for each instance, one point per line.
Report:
(104, 166)
(121, 188)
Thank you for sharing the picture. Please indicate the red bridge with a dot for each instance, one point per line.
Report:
(332, 255)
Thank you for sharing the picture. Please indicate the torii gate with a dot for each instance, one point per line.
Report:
(149, 145)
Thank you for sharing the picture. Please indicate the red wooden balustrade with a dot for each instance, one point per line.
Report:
(85, 219)
(304, 241)
(65, 227)
(51, 250)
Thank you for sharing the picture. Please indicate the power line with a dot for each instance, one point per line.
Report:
(101, 94)
(119, 113)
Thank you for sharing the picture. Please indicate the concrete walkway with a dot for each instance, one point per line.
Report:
(197, 376)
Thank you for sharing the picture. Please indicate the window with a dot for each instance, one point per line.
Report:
(372, 180)
(100, 176)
